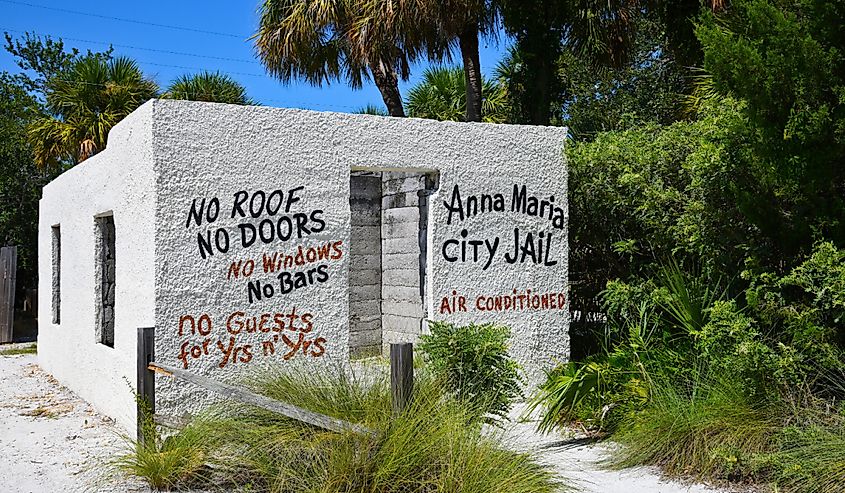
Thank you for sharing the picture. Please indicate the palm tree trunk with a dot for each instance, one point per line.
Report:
(540, 89)
(468, 41)
(388, 85)
(540, 51)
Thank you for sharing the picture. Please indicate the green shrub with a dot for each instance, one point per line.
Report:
(656, 192)
(473, 362)
(601, 390)
(808, 304)
(595, 392)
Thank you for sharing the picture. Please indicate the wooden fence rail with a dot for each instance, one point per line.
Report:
(247, 397)
(401, 371)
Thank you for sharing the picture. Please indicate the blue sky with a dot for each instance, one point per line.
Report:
(186, 50)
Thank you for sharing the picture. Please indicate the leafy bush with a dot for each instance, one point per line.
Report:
(595, 392)
(473, 362)
(601, 390)
(785, 60)
(654, 192)
(435, 445)
(808, 303)
(749, 192)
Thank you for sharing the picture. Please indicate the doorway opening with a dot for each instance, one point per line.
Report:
(388, 251)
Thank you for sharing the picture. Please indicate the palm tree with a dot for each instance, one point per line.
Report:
(317, 41)
(441, 95)
(371, 109)
(208, 86)
(433, 27)
(86, 101)
(464, 20)
(602, 31)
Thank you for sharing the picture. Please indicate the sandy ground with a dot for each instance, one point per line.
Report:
(51, 441)
(580, 462)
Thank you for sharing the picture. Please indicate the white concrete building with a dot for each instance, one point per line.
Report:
(251, 235)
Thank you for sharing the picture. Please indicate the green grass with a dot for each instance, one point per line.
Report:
(174, 462)
(30, 349)
(810, 457)
(710, 430)
(436, 445)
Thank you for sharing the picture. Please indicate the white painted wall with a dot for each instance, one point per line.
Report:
(119, 179)
(169, 153)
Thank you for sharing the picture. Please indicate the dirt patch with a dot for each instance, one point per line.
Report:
(53, 440)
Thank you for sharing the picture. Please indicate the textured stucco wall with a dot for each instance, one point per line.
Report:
(211, 151)
(119, 179)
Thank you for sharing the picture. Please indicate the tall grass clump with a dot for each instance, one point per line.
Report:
(706, 428)
(436, 445)
(809, 459)
(166, 463)
(716, 383)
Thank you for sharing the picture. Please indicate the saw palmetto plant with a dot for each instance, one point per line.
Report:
(85, 103)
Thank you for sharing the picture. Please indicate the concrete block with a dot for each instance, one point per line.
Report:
(364, 187)
(401, 277)
(365, 292)
(371, 327)
(365, 277)
(406, 199)
(399, 245)
(397, 323)
(400, 261)
(401, 215)
(367, 217)
(408, 183)
(401, 293)
(365, 233)
(403, 229)
(404, 309)
(365, 309)
(364, 262)
(362, 247)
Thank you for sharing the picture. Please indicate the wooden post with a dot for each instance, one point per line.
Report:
(401, 375)
(146, 378)
(8, 272)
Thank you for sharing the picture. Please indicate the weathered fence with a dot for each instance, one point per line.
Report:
(401, 383)
(8, 270)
